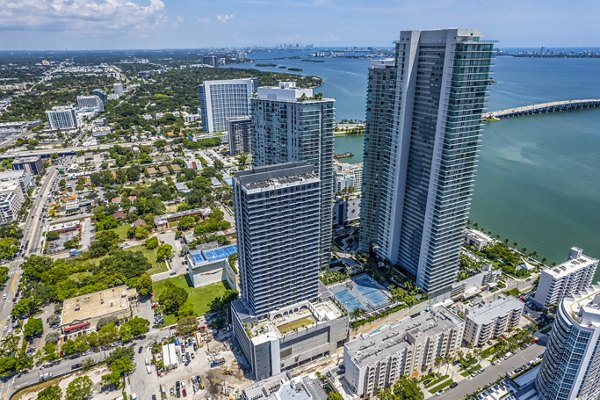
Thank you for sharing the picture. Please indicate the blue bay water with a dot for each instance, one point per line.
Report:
(538, 180)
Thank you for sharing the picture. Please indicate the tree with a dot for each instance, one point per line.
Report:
(120, 363)
(172, 297)
(143, 284)
(186, 223)
(163, 252)
(52, 235)
(125, 333)
(187, 326)
(357, 313)
(53, 392)
(333, 395)
(69, 347)
(103, 243)
(50, 353)
(33, 327)
(403, 389)
(151, 243)
(80, 388)
(108, 334)
(24, 308)
(8, 365)
(138, 325)
(3, 275)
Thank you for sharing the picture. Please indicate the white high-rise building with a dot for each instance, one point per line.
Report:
(422, 138)
(571, 365)
(347, 176)
(11, 201)
(93, 102)
(118, 89)
(568, 278)
(62, 117)
(290, 124)
(375, 361)
(222, 100)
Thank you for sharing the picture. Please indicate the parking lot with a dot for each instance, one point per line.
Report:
(206, 367)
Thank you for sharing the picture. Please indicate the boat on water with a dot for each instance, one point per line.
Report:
(343, 155)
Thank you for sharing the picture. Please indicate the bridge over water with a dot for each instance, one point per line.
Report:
(543, 108)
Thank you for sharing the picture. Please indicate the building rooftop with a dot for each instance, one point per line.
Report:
(283, 387)
(287, 91)
(97, 304)
(577, 260)
(209, 255)
(584, 307)
(275, 176)
(27, 159)
(287, 320)
(484, 312)
(390, 339)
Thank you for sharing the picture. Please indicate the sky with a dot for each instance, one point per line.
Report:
(141, 24)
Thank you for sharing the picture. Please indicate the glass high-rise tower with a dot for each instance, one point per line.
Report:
(290, 124)
(571, 365)
(277, 220)
(423, 132)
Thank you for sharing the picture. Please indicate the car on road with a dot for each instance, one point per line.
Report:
(45, 376)
(140, 349)
(455, 384)
(76, 366)
(184, 392)
(153, 397)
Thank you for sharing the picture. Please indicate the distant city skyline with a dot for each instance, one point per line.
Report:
(150, 24)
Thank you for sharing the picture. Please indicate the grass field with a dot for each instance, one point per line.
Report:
(200, 297)
(121, 230)
(151, 257)
(297, 324)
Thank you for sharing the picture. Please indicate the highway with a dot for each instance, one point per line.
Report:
(35, 223)
(32, 232)
(68, 150)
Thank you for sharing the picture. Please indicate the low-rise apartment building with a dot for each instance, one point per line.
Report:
(568, 278)
(488, 320)
(375, 361)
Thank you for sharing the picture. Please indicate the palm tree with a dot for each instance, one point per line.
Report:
(357, 313)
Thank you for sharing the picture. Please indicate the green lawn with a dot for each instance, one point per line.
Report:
(200, 297)
(441, 386)
(151, 257)
(121, 230)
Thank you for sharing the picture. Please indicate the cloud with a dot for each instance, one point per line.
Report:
(81, 15)
(224, 17)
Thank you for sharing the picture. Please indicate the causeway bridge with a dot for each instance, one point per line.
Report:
(544, 108)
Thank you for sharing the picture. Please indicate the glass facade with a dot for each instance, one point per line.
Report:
(298, 131)
(422, 140)
(222, 100)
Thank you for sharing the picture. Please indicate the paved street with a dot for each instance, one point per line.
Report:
(177, 264)
(32, 230)
(493, 372)
(66, 366)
